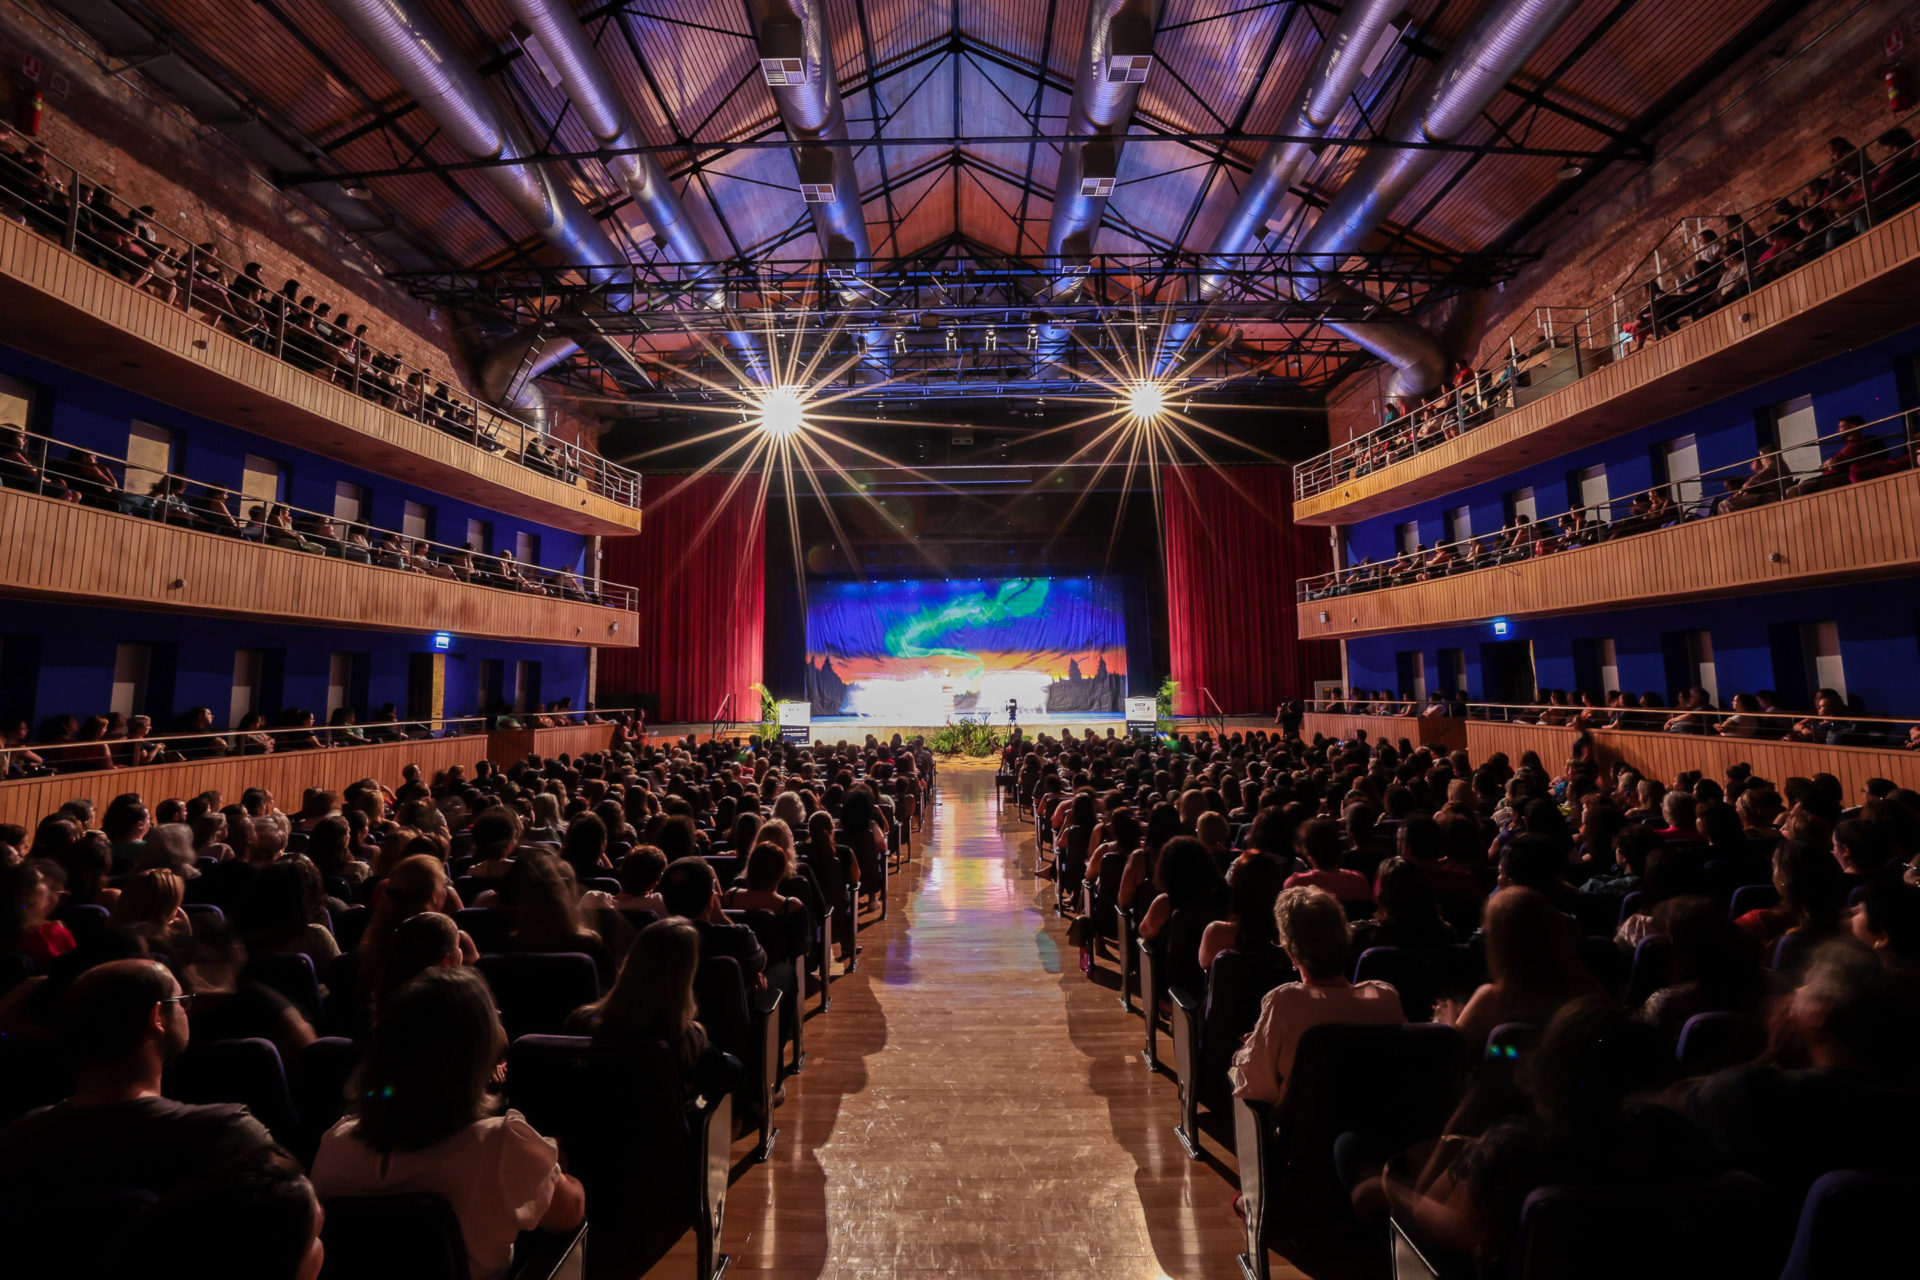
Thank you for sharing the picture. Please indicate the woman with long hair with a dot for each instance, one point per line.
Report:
(545, 902)
(1253, 886)
(1533, 968)
(416, 885)
(652, 999)
(421, 1118)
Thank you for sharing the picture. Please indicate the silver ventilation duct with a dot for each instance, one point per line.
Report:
(588, 86)
(1115, 56)
(418, 54)
(1344, 61)
(796, 60)
(1488, 54)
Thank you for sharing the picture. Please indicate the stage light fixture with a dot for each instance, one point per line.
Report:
(782, 411)
(1147, 400)
(993, 339)
(900, 343)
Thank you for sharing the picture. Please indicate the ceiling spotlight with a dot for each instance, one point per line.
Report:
(993, 339)
(1033, 337)
(1569, 172)
(953, 339)
(1147, 400)
(782, 411)
(899, 343)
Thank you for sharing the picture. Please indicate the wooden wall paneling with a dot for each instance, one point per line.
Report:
(61, 307)
(62, 550)
(287, 774)
(508, 747)
(1443, 733)
(1854, 295)
(1667, 755)
(1857, 533)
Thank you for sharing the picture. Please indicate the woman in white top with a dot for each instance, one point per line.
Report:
(1315, 935)
(422, 1122)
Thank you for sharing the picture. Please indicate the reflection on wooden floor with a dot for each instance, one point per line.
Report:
(972, 1104)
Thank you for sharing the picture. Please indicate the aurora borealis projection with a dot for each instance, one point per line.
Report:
(915, 651)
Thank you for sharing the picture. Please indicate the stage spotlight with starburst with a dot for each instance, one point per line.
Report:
(1147, 399)
(783, 411)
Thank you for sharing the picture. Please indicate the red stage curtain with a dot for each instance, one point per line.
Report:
(702, 600)
(1233, 554)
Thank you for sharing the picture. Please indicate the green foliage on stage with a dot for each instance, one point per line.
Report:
(969, 739)
(769, 705)
(1163, 703)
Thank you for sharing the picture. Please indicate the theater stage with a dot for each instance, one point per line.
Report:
(855, 729)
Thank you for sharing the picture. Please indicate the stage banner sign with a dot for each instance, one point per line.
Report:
(796, 723)
(1142, 715)
(924, 651)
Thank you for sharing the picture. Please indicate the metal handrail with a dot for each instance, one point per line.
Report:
(56, 199)
(172, 500)
(1568, 716)
(719, 716)
(1597, 522)
(1219, 717)
(208, 744)
(1654, 304)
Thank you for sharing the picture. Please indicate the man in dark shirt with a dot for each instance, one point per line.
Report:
(691, 890)
(121, 1023)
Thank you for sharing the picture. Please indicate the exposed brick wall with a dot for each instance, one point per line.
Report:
(125, 134)
(1758, 131)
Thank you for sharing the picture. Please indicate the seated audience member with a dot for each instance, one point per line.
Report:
(1835, 1089)
(691, 891)
(1407, 914)
(422, 942)
(1191, 891)
(1590, 1120)
(1836, 470)
(1313, 932)
(1887, 918)
(256, 1221)
(228, 1007)
(1715, 968)
(1812, 896)
(1319, 843)
(421, 1119)
(150, 906)
(639, 873)
(1254, 884)
(545, 907)
(121, 1023)
(1533, 968)
(653, 1000)
(27, 900)
(1762, 484)
(766, 869)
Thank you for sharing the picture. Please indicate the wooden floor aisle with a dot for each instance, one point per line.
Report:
(972, 1104)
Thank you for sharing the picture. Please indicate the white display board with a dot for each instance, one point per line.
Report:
(796, 722)
(1141, 715)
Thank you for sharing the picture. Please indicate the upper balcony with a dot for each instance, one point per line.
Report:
(166, 317)
(73, 528)
(1703, 317)
(1852, 514)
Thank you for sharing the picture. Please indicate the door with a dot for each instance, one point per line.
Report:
(149, 456)
(1506, 671)
(1797, 435)
(1410, 668)
(262, 480)
(526, 686)
(1680, 464)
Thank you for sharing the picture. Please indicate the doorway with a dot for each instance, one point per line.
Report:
(1506, 671)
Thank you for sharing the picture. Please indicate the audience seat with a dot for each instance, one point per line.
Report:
(1711, 1041)
(1652, 969)
(292, 976)
(1752, 897)
(349, 925)
(1208, 1027)
(417, 1237)
(1606, 963)
(320, 1083)
(1656, 1231)
(489, 927)
(537, 990)
(244, 1071)
(1390, 1086)
(1852, 1224)
(653, 1165)
(746, 1025)
(786, 940)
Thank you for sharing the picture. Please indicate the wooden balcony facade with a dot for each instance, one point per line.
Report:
(1442, 733)
(55, 550)
(1859, 293)
(288, 774)
(59, 306)
(1667, 755)
(1852, 534)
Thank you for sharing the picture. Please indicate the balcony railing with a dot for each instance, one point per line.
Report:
(1831, 725)
(1878, 448)
(32, 463)
(81, 747)
(1692, 273)
(53, 198)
